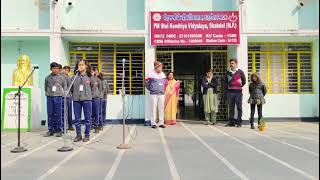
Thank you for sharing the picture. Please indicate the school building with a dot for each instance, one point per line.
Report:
(277, 38)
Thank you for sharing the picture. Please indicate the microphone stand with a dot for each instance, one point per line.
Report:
(65, 147)
(19, 148)
(123, 145)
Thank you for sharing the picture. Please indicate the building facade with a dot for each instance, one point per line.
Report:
(278, 39)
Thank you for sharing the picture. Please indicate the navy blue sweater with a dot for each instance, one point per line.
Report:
(212, 84)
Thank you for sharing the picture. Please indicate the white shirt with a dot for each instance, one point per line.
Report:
(233, 71)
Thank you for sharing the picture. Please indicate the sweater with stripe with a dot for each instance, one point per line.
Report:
(155, 83)
(234, 81)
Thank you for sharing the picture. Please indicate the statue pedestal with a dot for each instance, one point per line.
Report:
(30, 109)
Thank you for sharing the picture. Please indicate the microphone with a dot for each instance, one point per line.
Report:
(35, 67)
(76, 72)
(123, 60)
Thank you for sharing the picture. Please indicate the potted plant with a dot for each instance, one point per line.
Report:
(261, 125)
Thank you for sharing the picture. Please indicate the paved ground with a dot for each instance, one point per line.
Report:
(187, 151)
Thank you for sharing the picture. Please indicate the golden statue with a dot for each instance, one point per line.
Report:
(23, 71)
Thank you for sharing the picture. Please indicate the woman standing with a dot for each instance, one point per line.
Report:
(210, 100)
(171, 99)
(257, 91)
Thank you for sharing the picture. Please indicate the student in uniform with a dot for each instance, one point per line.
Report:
(82, 98)
(96, 95)
(105, 92)
(60, 68)
(65, 73)
(55, 86)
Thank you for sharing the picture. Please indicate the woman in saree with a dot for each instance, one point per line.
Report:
(171, 99)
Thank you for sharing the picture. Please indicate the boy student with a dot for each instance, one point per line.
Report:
(65, 73)
(96, 100)
(105, 92)
(55, 86)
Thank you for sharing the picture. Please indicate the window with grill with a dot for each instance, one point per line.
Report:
(283, 67)
(167, 61)
(108, 58)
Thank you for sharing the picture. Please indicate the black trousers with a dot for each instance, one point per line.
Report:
(235, 99)
(253, 107)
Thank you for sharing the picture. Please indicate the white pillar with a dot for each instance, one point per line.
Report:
(242, 56)
(55, 45)
(149, 59)
(55, 37)
(240, 52)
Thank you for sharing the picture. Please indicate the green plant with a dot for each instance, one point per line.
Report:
(189, 86)
(262, 122)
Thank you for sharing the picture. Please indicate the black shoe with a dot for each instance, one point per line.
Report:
(96, 130)
(77, 139)
(86, 139)
(162, 126)
(49, 133)
(229, 125)
(154, 126)
(59, 134)
(213, 124)
(100, 128)
(252, 126)
(71, 128)
(238, 125)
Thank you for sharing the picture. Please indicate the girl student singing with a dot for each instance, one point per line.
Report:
(82, 98)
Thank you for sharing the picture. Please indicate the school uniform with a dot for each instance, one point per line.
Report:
(82, 100)
(96, 101)
(100, 122)
(105, 92)
(55, 87)
(155, 83)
